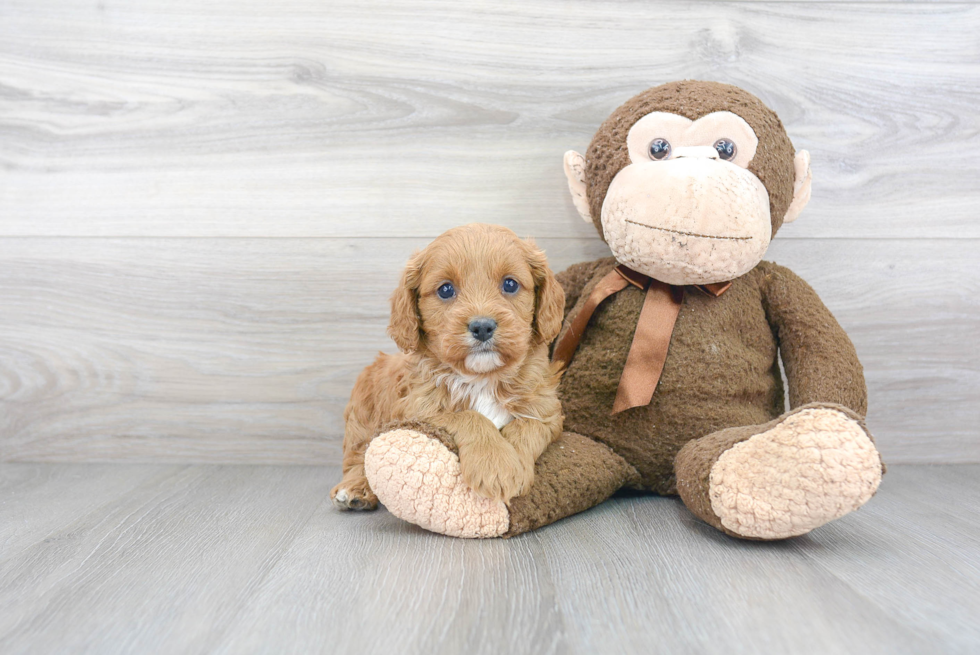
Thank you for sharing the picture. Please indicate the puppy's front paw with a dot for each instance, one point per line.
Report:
(356, 495)
(496, 472)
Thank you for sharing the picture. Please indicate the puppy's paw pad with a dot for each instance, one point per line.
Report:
(418, 479)
(812, 468)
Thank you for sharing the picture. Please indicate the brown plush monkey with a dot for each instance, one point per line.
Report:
(672, 382)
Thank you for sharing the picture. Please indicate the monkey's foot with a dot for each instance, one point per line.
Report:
(417, 477)
(796, 474)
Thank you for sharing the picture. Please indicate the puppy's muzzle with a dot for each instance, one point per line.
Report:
(482, 328)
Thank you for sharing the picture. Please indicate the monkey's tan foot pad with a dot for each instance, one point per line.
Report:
(815, 466)
(418, 479)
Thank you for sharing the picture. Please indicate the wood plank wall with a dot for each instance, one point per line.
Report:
(204, 205)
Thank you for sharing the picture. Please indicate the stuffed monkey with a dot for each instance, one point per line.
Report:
(672, 382)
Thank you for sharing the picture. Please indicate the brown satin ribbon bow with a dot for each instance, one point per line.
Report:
(648, 351)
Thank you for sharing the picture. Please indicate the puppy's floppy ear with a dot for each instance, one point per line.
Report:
(405, 327)
(549, 297)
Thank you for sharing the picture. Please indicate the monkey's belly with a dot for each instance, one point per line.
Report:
(720, 372)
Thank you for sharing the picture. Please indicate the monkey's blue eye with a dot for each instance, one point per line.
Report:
(510, 285)
(726, 149)
(659, 149)
(446, 291)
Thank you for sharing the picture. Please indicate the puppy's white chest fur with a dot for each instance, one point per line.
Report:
(481, 398)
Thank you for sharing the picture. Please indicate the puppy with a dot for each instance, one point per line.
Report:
(473, 316)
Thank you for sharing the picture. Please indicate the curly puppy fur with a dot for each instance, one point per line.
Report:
(497, 399)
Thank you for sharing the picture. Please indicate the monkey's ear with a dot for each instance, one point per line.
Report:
(549, 297)
(575, 172)
(405, 328)
(801, 187)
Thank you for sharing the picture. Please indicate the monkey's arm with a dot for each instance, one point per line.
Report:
(574, 278)
(820, 453)
(819, 359)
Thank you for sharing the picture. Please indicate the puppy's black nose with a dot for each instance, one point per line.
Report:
(482, 328)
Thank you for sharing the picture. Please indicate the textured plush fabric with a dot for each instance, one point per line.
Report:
(693, 468)
(437, 433)
(418, 479)
(414, 470)
(772, 164)
(819, 358)
(572, 475)
(684, 246)
(721, 371)
(812, 467)
(783, 478)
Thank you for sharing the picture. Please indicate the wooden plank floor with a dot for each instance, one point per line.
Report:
(231, 559)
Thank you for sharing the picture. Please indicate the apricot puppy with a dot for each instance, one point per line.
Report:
(473, 316)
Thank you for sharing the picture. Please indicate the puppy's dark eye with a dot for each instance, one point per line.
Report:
(726, 149)
(510, 285)
(446, 291)
(659, 149)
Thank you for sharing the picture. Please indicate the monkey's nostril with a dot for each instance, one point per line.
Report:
(482, 328)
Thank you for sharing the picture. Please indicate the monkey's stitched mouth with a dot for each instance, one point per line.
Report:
(688, 234)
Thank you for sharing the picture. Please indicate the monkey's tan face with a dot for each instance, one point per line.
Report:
(686, 210)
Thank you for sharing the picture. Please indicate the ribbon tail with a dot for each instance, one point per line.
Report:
(648, 351)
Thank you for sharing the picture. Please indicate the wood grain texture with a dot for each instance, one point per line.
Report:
(204, 206)
(36, 500)
(245, 350)
(168, 562)
(395, 118)
(938, 519)
(255, 560)
(759, 597)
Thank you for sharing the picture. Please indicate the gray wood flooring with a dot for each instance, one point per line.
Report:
(237, 559)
